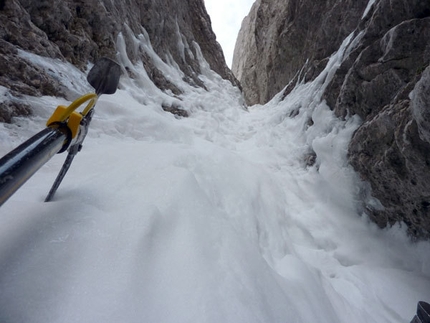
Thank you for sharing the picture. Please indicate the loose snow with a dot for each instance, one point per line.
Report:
(212, 218)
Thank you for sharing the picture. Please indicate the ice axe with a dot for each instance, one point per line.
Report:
(66, 130)
(104, 78)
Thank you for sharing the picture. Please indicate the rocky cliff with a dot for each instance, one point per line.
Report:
(277, 38)
(80, 31)
(385, 80)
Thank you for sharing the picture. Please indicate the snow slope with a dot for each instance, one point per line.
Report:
(212, 218)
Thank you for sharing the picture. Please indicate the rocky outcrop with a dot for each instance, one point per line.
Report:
(277, 38)
(387, 84)
(385, 80)
(80, 31)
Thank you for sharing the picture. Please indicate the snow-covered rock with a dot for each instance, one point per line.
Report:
(80, 32)
(285, 42)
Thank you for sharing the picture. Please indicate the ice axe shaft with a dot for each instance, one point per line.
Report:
(22, 162)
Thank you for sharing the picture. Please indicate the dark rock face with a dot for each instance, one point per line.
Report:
(391, 150)
(385, 80)
(82, 31)
(389, 154)
(420, 105)
(388, 61)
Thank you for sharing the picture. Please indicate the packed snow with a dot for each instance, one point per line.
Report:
(218, 217)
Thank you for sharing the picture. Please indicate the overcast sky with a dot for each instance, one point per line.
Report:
(226, 17)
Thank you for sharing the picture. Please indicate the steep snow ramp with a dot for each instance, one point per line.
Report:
(212, 218)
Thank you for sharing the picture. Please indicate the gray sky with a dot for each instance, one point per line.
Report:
(226, 17)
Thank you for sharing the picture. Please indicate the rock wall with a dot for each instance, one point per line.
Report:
(81, 31)
(385, 80)
(386, 83)
(278, 37)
